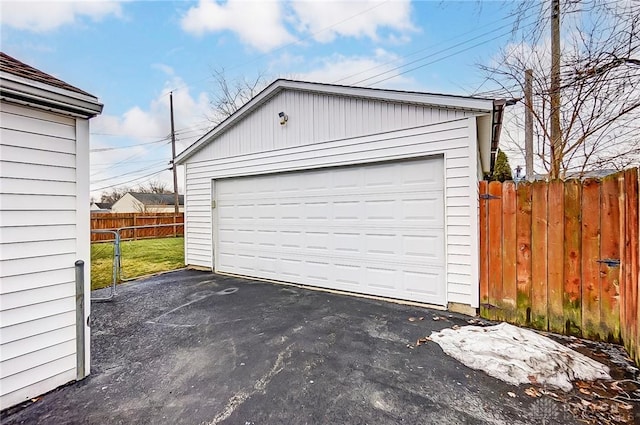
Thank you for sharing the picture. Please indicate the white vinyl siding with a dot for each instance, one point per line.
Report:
(38, 248)
(454, 139)
(315, 118)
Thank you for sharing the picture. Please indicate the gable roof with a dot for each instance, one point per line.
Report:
(104, 205)
(157, 198)
(16, 67)
(24, 84)
(385, 95)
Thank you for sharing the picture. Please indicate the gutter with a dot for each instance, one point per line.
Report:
(48, 98)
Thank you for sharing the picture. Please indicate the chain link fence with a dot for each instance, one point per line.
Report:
(118, 260)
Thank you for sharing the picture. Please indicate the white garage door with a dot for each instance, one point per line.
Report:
(374, 229)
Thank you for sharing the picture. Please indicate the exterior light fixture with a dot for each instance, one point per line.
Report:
(283, 118)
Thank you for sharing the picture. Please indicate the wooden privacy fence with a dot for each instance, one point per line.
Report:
(113, 221)
(563, 256)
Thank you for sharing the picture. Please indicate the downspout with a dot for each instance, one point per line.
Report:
(496, 126)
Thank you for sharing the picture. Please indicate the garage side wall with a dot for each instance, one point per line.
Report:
(38, 247)
(454, 140)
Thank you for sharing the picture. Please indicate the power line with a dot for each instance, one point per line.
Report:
(135, 155)
(129, 181)
(158, 162)
(110, 164)
(428, 63)
(298, 41)
(123, 135)
(128, 146)
(431, 47)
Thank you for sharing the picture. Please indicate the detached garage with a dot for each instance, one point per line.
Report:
(355, 189)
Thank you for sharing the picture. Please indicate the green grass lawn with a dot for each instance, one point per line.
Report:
(138, 258)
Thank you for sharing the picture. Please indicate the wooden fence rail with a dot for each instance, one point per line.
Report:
(563, 256)
(112, 221)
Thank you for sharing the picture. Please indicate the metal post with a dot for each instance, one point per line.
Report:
(80, 322)
(117, 266)
(116, 263)
(176, 197)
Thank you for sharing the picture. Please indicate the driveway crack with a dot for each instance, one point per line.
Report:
(259, 386)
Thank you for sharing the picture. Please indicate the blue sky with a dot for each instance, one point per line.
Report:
(131, 54)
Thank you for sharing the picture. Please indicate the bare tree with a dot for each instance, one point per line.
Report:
(113, 194)
(228, 95)
(153, 186)
(599, 85)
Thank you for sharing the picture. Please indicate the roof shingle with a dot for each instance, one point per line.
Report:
(157, 198)
(14, 66)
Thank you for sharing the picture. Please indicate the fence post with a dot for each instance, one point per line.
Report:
(484, 249)
(135, 216)
(80, 322)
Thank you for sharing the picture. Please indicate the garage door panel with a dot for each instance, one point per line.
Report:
(316, 211)
(423, 211)
(346, 178)
(348, 274)
(423, 248)
(375, 229)
(414, 282)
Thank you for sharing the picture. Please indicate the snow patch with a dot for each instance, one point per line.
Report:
(518, 356)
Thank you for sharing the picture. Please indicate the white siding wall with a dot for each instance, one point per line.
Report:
(38, 248)
(317, 118)
(129, 204)
(455, 140)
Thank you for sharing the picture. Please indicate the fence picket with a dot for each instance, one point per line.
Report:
(609, 253)
(495, 251)
(112, 221)
(572, 288)
(590, 257)
(509, 248)
(539, 299)
(523, 253)
(555, 253)
(484, 247)
(632, 253)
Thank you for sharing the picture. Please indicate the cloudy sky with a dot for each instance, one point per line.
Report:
(131, 54)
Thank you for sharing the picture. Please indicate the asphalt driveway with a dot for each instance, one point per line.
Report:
(192, 347)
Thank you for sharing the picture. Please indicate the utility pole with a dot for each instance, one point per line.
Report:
(176, 198)
(556, 132)
(528, 123)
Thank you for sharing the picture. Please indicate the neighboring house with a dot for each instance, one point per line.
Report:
(133, 202)
(44, 230)
(102, 207)
(357, 189)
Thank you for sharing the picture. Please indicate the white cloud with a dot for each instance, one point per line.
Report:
(359, 70)
(164, 68)
(141, 125)
(42, 16)
(328, 19)
(263, 24)
(257, 23)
